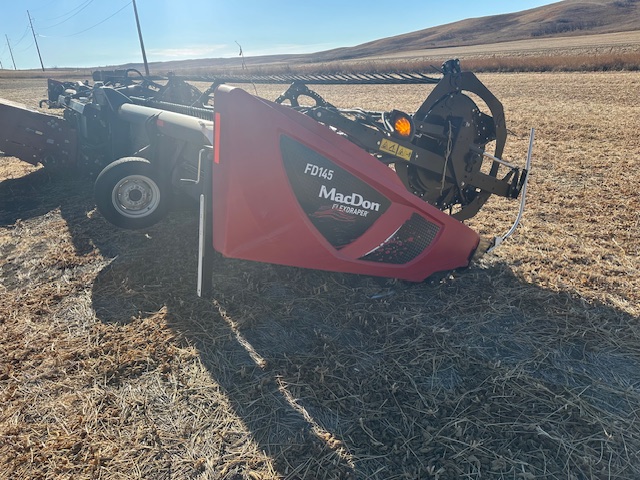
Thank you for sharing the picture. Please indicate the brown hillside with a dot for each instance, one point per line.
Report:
(566, 18)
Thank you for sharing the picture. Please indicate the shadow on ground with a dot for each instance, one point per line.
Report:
(479, 374)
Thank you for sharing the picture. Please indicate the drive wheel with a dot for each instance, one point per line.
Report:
(130, 193)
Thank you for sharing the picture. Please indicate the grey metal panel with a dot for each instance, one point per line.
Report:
(171, 124)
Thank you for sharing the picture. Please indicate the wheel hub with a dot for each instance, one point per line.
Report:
(136, 196)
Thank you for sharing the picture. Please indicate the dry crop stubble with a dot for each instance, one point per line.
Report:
(584, 211)
(523, 366)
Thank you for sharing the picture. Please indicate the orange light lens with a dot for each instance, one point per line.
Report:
(402, 126)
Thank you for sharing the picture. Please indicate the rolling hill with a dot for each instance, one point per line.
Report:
(569, 22)
(562, 19)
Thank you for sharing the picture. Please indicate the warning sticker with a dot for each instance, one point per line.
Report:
(395, 149)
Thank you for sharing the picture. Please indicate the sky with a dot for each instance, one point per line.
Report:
(99, 33)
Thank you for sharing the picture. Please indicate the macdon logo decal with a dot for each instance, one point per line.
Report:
(353, 200)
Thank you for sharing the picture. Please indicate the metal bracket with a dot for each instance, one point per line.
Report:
(204, 150)
(497, 241)
(205, 232)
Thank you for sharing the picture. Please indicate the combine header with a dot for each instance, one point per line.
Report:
(295, 181)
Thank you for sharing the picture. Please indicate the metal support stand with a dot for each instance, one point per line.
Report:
(205, 230)
(497, 241)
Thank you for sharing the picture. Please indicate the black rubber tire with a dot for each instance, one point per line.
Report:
(130, 193)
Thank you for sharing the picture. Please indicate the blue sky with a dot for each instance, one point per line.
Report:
(92, 33)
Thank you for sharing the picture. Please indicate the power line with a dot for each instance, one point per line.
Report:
(26, 30)
(89, 28)
(23, 49)
(74, 12)
(77, 10)
(42, 7)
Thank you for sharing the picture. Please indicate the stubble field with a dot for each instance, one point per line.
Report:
(525, 365)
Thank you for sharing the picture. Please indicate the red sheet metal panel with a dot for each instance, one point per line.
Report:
(36, 137)
(288, 190)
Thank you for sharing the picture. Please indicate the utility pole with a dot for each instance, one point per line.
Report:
(11, 52)
(36, 41)
(144, 54)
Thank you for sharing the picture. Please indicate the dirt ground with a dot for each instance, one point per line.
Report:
(525, 365)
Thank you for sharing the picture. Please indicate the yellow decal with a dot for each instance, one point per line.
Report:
(389, 147)
(396, 150)
(404, 153)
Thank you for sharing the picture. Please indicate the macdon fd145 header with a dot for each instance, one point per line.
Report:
(295, 181)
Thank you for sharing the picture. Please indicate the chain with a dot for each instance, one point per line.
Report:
(446, 158)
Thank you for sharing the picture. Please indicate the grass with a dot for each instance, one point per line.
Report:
(578, 63)
(524, 365)
(489, 64)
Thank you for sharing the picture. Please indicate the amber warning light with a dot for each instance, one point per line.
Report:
(401, 124)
